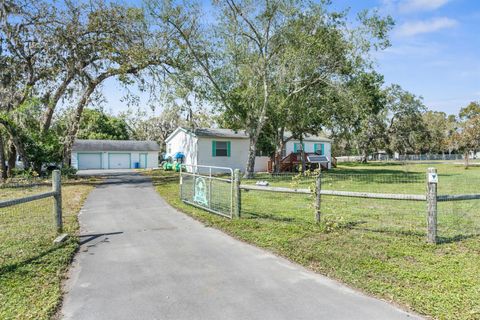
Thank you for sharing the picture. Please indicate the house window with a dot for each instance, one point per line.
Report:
(297, 148)
(221, 148)
(319, 148)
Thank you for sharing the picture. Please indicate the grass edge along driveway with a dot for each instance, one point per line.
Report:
(31, 267)
(438, 281)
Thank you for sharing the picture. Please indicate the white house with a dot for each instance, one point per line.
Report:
(114, 154)
(229, 148)
(311, 144)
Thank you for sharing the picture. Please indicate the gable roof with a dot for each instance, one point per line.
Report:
(114, 145)
(220, 133)
(211, 133)
(309, 137)
(236, 134)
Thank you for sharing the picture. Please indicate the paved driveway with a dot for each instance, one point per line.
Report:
(104, 172)
(142, 259)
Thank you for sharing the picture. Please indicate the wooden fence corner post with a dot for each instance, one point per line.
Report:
(432, 181)
(57, 199)
(238, 194)
(318, 188)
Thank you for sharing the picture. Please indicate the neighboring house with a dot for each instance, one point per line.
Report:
(229, 148)
(311, 144)
(114, 154)
(318, 150)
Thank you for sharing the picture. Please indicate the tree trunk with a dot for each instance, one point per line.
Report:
(15, 140)
(278, 153)
(12, 155)
(252, 149)
(302, 154)
(364, 158)
(72, 133)
(276, 161)
(52, 102)
(3, 166)
(466, 159)
(258, 129)
(278, 157)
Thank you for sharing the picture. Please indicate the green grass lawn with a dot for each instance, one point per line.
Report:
(375, 245)
(31, 267)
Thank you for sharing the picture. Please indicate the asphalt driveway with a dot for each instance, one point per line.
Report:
(142, 259)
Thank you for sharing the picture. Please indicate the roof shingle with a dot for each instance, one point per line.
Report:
(114, 145)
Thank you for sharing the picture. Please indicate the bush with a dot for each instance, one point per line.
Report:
(68, 172)
(25, 173)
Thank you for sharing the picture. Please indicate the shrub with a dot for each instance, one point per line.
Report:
(68, 172)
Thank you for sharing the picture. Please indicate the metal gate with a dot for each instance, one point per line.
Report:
(208, 187)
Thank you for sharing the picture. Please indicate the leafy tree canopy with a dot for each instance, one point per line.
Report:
(96, 124)
(470, 111)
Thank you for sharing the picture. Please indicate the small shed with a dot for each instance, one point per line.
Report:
(114, 154)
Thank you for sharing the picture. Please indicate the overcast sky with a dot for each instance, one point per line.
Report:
(435, 51)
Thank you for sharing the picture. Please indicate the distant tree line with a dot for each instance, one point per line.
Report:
(405, 126)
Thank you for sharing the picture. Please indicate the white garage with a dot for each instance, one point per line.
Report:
(114, 154)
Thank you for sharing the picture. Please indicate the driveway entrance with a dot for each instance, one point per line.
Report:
(142, 259)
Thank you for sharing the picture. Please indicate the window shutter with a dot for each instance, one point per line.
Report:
(228, 148)
(214, 148)
(322, 152)
(314, 148)
(294, 148)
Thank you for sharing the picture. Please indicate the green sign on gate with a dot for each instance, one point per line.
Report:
(207, 187)
(201, 191)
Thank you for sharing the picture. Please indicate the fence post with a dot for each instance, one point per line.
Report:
(432, 181)
(57, 199)
(210, 187)
(318, 188)
(238, 194)
(181, 183)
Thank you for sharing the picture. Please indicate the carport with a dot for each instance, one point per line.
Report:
(114, 154)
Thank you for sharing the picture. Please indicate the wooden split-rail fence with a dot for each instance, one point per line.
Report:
(430, 197)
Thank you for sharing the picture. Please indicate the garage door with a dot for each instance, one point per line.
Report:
(89, 161)
(119, 161)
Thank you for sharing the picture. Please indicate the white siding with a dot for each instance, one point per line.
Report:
(261, 164)
(74, 160)
(238, 153)
(186, 144)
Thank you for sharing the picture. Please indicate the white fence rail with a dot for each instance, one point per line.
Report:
(230, 191)
(403, 157)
